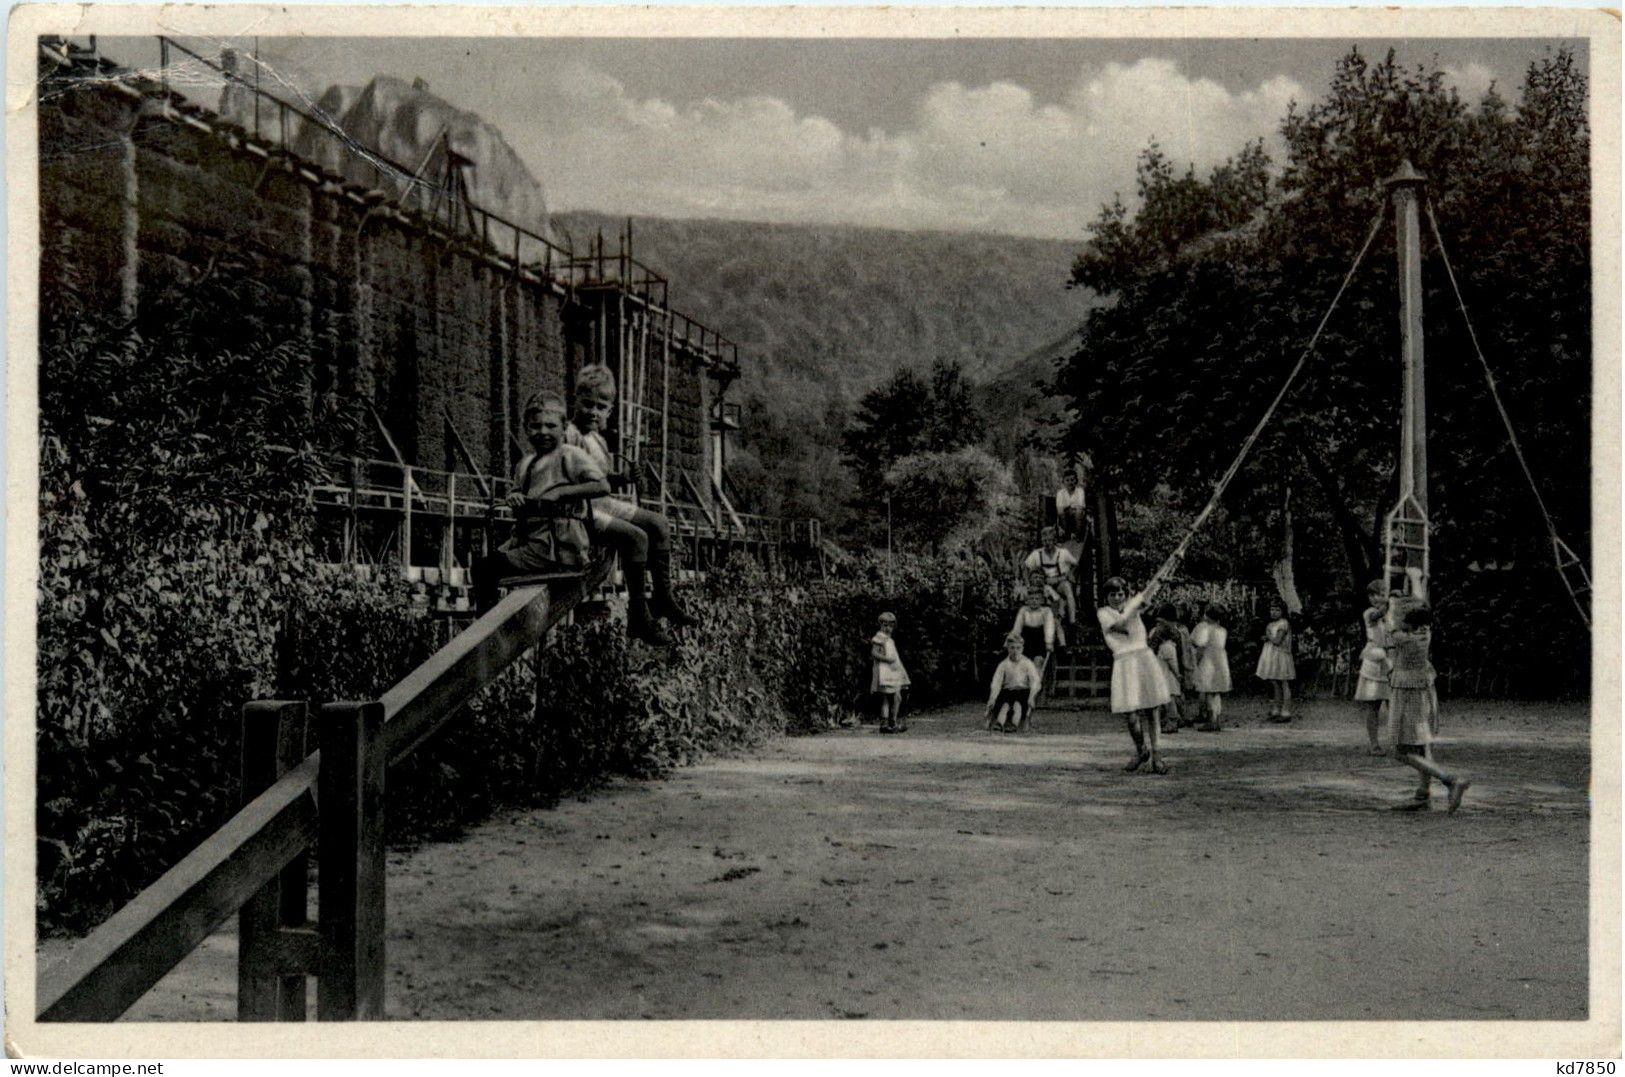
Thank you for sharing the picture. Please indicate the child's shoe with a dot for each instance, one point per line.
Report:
(1138, 762)
(1458, 789)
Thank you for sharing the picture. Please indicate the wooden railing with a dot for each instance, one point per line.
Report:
(255, 864)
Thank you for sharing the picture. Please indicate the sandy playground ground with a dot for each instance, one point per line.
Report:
(951, 873)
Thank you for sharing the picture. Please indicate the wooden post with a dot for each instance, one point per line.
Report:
(258, 920)
(448, 551)
(665, 405)
(406, 518)
(350, 791)
(292, 886)
(352, 534)
(1403, 186)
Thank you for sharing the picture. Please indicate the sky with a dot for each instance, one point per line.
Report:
(1013, 136)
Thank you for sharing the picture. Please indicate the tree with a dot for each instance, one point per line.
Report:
(908, 414)
(944, 500)
(953, 420)
(1216, 284)
(889, 424)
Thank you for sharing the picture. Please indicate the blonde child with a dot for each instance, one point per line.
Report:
(1014, 690)
(1164, 643)
(1138, 687)
(641, 538)
(887, 677)
(1275, 664)
(1413, 708)
(1212, 677)
(552, 486)
(1371, 688)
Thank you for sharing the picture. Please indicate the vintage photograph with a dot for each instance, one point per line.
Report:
(925, 522)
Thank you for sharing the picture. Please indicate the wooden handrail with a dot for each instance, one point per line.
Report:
(425, 698)
(123, 958)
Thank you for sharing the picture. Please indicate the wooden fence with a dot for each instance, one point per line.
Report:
(255, 865)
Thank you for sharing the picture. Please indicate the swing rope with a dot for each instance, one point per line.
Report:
(1560, 549)
(1174, 558)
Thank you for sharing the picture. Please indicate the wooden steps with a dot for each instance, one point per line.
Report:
(1080, 673)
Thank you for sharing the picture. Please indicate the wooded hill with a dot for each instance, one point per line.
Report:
(823, 313)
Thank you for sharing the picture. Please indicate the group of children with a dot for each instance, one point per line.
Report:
(1198, 661)
(563, 499)
(1152, 672)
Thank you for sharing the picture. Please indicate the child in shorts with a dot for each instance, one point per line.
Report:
(1015, 688)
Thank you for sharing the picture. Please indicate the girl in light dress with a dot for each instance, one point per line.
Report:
(1165, 644)
(1138, 684)
(1212, 677)
(887, 677)
(1371, 688)
(1275, 663)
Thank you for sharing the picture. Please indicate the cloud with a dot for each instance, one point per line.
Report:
(984, 158)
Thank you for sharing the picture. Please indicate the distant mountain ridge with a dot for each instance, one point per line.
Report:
(843, 306)
(823, 313)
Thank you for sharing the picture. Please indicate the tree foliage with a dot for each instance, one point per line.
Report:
(909, 413)
(948, 500)
(1216, 283)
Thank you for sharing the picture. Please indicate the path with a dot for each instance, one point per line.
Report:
(949, 873)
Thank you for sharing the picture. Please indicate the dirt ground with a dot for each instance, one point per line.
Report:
(951, 873)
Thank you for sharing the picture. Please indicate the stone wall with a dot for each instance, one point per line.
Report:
(135, 199)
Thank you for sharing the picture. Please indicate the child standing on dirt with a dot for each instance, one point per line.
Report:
(1164, 643)
(1413, 708)
(1212, 677)
(552, 486)
(1138, 688)
(1371, 688)
(1014, 690)
(641, 538)
(887, 677)
(1275, 664)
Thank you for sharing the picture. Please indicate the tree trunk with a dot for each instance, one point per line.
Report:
(1107, 548)
(1356, 548)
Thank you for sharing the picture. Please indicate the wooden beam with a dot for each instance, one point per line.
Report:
(428, 696)
(121, 960)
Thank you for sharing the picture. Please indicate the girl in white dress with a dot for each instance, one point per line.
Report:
(1275, 663)
(1138, 685)
(1212, 677)
(1372, 686)
(887, 677)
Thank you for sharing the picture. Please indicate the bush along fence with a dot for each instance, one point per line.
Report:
(125, 793)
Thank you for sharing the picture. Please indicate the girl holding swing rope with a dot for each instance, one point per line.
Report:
(1138, 685)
